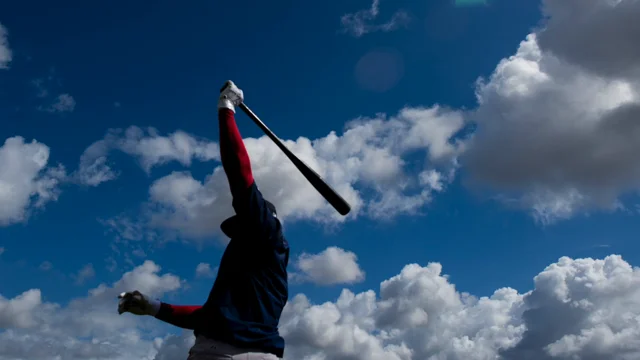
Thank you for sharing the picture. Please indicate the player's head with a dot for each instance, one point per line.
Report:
(233, 226)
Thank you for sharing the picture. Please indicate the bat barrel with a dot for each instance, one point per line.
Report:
(314, 179)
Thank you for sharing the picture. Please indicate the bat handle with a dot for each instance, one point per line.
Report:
(226, 85)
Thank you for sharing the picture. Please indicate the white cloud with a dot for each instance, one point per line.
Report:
(364, 165)
(557, 130)
(50, 84)
(174, 347)
(62, 103)
(26, 183)
(46, 266)
(205, 270)
(582, 309)
(87, 272)
(139, 253)
(5, 52)
(147, 146)
(329, 267)
(2, 250)
(88, 327)
(578, 309)
(362, 22)
(17, 312)
(126, 229)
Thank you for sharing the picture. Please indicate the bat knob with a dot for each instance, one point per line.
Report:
(226, 85)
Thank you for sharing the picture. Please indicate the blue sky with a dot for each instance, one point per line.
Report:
(158, 64)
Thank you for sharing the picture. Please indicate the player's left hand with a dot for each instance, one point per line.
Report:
(230, 96)
(137, 303)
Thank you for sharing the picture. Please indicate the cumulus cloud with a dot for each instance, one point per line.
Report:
(88, 327)
(557, 130)
(364, 165)
(5, 52)
(599, 36)
(582, 309)
(578, 309)
(329, 267)
(26, 182)
(17, 312)
(419, 315)
(362, 22)
(147, 146)
(204, 270)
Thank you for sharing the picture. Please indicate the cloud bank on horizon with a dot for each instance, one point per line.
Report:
(557, 134)
(578, 309)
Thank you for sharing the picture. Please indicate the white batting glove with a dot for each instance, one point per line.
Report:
(138, 304)
(230, 96)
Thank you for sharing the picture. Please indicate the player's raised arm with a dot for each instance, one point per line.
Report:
(235, 158)
(251, 208)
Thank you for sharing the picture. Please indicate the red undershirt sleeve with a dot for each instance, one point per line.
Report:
(235, 159)
(248, 202)
(185, 317)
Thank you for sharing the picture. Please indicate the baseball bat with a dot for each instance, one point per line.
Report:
(316, 181)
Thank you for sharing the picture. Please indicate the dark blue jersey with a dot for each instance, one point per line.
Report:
(250, 292)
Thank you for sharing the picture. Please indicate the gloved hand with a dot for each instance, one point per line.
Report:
(138, 304)
(230, 96)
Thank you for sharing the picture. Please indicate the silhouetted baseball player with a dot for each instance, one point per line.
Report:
(240, 318)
